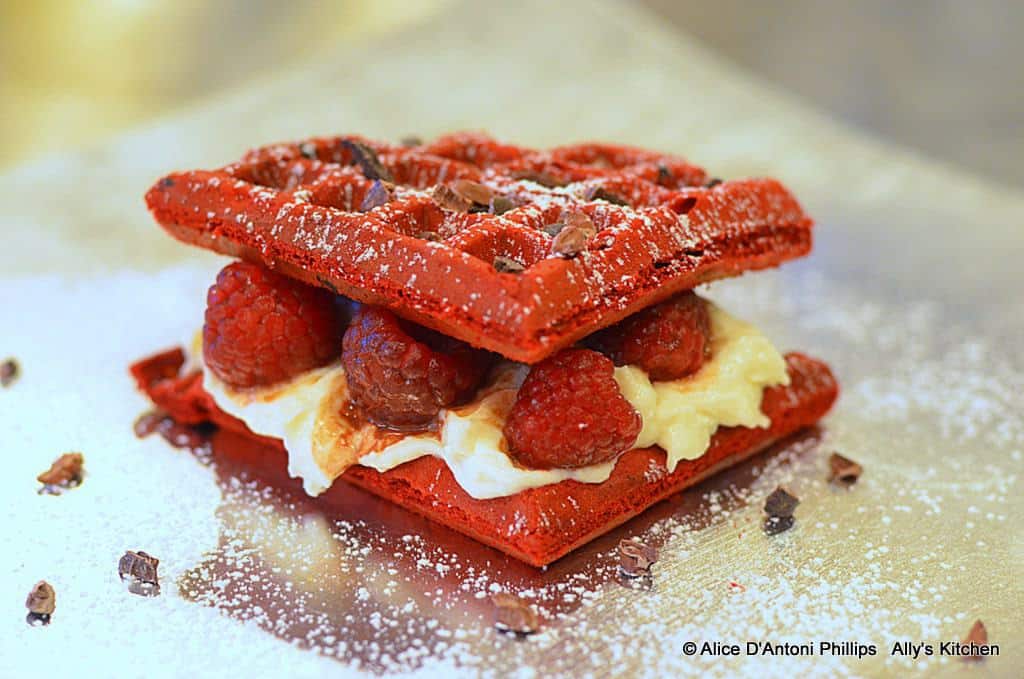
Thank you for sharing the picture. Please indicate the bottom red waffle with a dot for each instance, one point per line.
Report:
(542, 524)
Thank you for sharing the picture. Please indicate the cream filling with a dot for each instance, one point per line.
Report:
(682, 415)
(679, 415)
(289, 414)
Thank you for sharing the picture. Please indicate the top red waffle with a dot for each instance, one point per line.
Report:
(661, 228)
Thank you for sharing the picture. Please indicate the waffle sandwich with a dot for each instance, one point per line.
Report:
(502, 339)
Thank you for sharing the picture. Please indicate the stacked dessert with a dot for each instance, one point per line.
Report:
(502, 339)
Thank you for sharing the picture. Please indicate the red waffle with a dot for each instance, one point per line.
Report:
(538, 525)
(295, 207)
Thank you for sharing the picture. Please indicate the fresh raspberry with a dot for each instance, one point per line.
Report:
(263, 328)
(668, 341)
(401, 375)
(570, 413)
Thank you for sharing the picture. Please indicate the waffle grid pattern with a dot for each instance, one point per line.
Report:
(661, 227)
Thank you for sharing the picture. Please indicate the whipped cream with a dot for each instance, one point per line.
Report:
(679, 415)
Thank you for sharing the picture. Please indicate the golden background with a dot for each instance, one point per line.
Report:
(74, 72)
(941, 76)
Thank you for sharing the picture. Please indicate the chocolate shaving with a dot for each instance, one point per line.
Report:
(308, 150)
(513, 615)
(636, 557)
(432, 236)
(601, 193)
(500, 205)
(41, 602)
(377, 195)
(411, 141)
(507, 265)
(474, 192)
(554, 229)
(543, 178)
(446, 197)
(9, 372)
(780, 503)
(141, 569)
(712, 183)
(65, 473)
(367, 160)
(774, 525)
(978, 636)
(843, 469)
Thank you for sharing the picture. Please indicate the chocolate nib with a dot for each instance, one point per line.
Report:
(41, 602)
(569, 242)
(779, 507)
(141, 569)
(376, 196)
(446, 197)
(507, 265)
(501, 204)
(780, 503)
(513, 615)
(601, 193)
(636, 557)
(367, 160)
(65, 473)
(843, 469)
(474, 192)
(9, 372)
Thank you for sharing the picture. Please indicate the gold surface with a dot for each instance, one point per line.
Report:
(75, 72)
(912, 295)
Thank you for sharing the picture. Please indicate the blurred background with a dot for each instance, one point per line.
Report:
(943, 76)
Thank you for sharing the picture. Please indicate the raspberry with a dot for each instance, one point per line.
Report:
(570, 413)
(401, 375)
(262, 327)
(668, 341)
